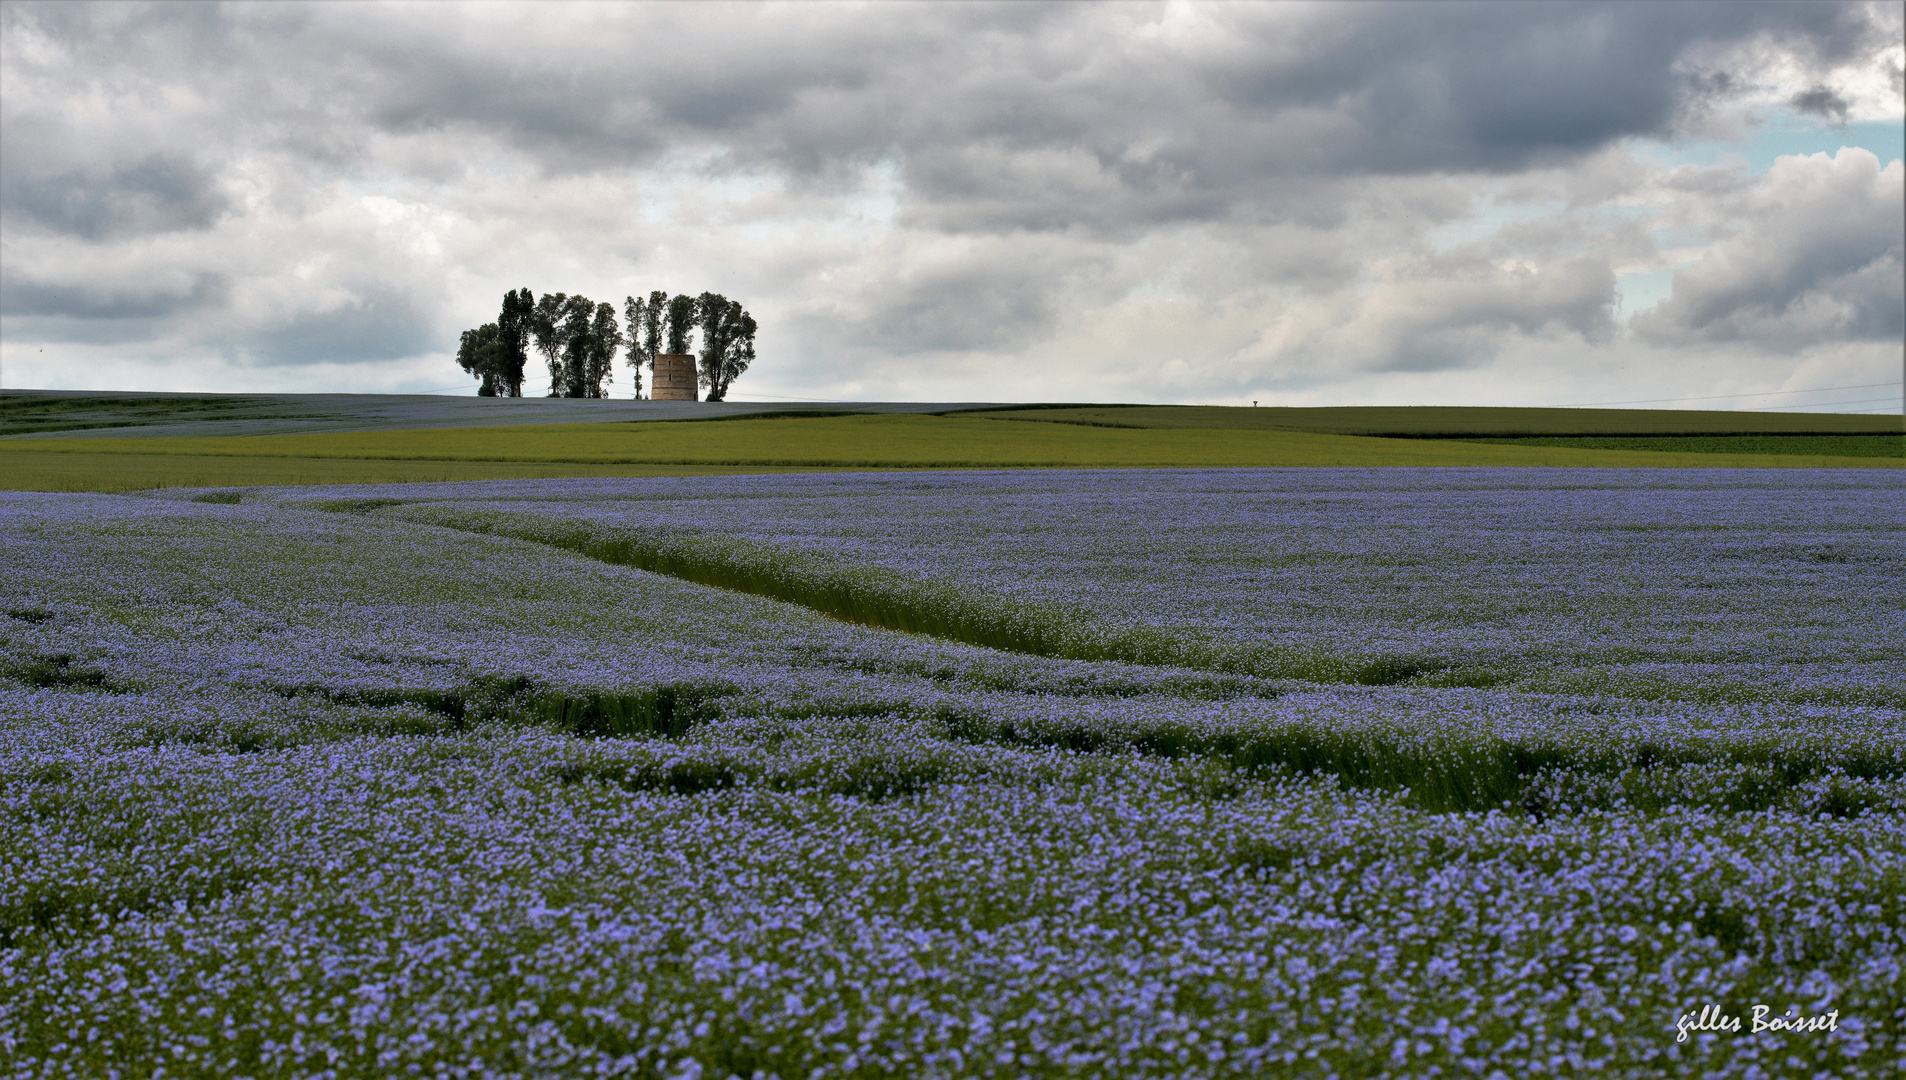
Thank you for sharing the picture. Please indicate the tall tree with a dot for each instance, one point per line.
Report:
(576, 346)
(605, 337)
(636, 311)
(513, 326)
(652, 320)
(645, 317)
(481, 353)
(727, 342)
(681, 322)
(549, 322)
(579, 340)
(564, 326)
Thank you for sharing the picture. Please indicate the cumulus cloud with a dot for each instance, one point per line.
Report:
(158, 193)
(1818, 257)
(901, 192)
(1434, 316)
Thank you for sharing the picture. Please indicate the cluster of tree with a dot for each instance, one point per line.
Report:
(578, 340)
(496, 352)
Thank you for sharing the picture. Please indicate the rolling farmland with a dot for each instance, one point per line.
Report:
(135, 455)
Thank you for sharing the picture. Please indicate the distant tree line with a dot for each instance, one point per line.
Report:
(578, 340)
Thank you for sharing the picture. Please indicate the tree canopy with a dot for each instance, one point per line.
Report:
(681, 323)
(645, 330)
(481, 353)
(579, 339)
(513, 328)
(727, 342)
(494, 352)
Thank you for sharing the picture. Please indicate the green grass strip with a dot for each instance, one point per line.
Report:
(891, 600)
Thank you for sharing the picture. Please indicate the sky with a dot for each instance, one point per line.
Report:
(1680, 204)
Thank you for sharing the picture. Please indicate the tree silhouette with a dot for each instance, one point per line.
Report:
(548, 320)
(567, 332)
(603, 339)
(645, 331)
(481, 353)
(681, 322)
(513, 326)
(727, 342)
(579, 339)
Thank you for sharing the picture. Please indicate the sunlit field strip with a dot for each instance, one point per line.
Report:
(889, 442)
(112, 472)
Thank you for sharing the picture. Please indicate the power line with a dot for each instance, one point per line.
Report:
(771, 397)
(1718, 397)
(1822, 404)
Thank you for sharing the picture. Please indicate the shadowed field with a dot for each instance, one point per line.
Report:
(121, 415)
(1457, 422)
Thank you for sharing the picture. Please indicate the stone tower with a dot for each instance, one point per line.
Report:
(674, 378)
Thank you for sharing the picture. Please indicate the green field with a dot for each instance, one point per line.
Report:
(967, 440)
(22, 414)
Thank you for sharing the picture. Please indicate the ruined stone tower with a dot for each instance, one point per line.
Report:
(674, 378)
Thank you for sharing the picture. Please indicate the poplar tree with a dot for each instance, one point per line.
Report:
(604, 338)
(652, 334)
(681, 322)
(727, 342)
(645, 331)
(579, 339)
(548, 321)
(513, 326)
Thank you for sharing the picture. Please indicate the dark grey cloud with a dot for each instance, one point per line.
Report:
(153, 194)
(954, 304)
(324, 183)
(1822, 102)
(1004, 117)
(371, 329)
(23, 297)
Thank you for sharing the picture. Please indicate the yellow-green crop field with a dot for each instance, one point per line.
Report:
(121, 470)
(834, 442)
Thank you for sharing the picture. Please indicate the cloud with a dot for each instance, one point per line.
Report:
(1440, 315)
(900, 192)
(1822, 102)
(1817, 256)
(366, 330)
(157, 193)
(28, 298)
(1004, 117)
